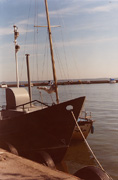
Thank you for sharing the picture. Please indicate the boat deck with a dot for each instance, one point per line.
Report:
(5, 114)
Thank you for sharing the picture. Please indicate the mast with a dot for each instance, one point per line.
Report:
(28, 75)
(17, 47)
(51, 51)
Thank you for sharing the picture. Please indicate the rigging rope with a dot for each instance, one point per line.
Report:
(88, 145)
(25, 41)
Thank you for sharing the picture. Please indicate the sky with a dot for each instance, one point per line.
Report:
(85, 45)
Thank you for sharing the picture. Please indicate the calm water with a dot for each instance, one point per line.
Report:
(102, 101)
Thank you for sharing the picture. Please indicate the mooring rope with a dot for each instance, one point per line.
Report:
(88, 145)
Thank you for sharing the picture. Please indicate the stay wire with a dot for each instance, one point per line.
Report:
(27, 26)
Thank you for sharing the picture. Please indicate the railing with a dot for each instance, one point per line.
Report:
(30, 102)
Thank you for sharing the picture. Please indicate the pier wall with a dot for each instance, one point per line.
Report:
(17, 168)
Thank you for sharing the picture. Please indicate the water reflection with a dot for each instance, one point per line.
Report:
(78, 156)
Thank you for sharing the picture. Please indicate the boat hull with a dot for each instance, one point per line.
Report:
(85, 128)
(48, 129)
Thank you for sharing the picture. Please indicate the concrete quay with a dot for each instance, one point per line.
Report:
(13, 167)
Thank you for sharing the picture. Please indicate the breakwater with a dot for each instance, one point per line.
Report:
(46, 83)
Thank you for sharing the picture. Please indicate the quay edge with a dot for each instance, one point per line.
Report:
(14, 167)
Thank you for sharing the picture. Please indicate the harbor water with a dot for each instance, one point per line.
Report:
(102, 102)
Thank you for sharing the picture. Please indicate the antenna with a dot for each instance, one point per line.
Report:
(17, 47)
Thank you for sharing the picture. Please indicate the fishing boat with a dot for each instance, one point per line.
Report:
(3, 85)
(86, 124)
(112, 81)
(41, 132)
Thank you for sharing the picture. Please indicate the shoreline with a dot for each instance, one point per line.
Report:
(61, 83)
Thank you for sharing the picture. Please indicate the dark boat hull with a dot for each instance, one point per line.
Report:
(49, 129)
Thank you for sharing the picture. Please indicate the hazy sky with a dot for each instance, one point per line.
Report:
(85, 46)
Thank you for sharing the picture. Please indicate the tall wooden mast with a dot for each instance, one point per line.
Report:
(51, 51)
